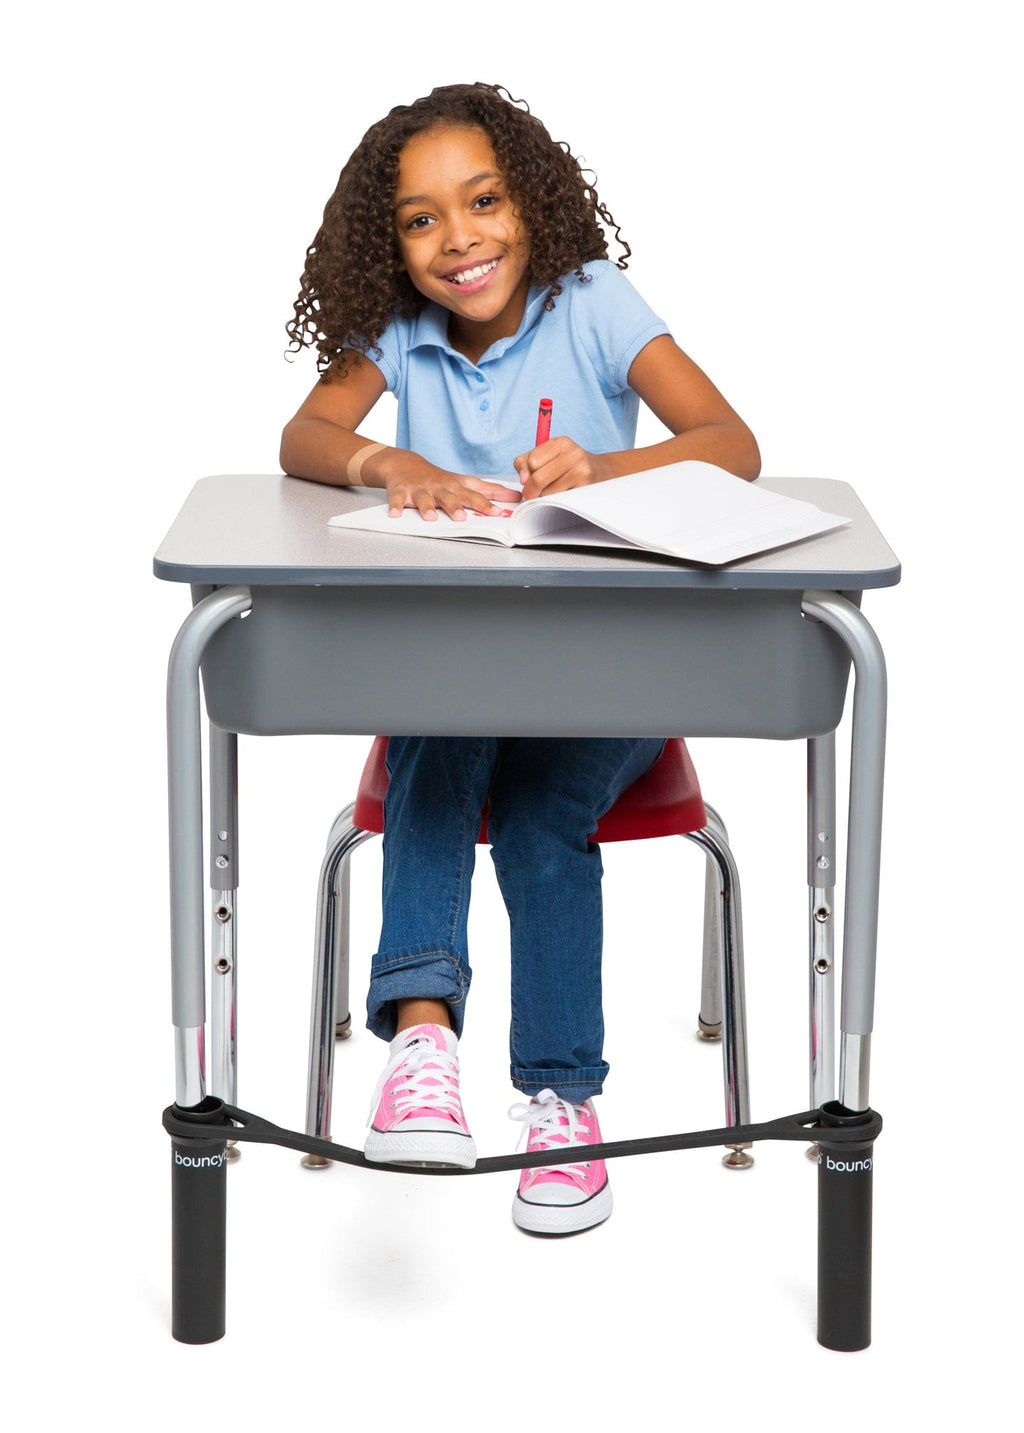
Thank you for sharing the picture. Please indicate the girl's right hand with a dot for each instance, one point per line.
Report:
(430, 489)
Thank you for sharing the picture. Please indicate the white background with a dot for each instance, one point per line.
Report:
(819, 200)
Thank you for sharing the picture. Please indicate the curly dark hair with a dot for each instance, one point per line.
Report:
(352, 286)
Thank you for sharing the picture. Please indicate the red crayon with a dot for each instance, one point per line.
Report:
(543, 422)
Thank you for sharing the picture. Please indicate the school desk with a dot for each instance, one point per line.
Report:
(302, 628)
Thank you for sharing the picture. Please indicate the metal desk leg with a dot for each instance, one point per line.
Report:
(864, 838)
(224, 918)
(844, 1172)
(198, 1166)
(821, 880)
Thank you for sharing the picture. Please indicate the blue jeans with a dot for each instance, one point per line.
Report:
(546, 796)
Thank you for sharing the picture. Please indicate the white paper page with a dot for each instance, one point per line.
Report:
(475, 528)
(690, 510)
(722, 541)
(554, 527)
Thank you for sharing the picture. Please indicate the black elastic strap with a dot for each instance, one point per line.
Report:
(243, 1127)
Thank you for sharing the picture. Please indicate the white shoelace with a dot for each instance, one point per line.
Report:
(541, 1118)
(435, 1088)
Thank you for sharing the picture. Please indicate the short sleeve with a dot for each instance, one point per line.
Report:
(389, 353)
(611, 322)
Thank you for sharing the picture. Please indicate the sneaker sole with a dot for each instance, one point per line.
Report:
(562, 1218)
(446, 1150)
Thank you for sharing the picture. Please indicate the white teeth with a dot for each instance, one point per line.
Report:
(467, 275)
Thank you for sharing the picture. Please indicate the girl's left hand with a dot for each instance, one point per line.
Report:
(558, 465)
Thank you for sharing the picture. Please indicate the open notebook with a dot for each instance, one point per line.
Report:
(693, 511)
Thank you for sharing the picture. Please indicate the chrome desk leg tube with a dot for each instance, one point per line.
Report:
(224, 918)
(864, 839)
(185, 812)
(845, 1171)
(734, 1024)
(321, 1033)
(821, 880)
(709, 1021)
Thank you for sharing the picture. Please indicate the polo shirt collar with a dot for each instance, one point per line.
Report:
(430, 327)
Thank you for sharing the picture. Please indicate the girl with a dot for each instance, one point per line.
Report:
(462, 265)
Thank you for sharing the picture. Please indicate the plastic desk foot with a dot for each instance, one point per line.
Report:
(844, 1232)
(199, 1224)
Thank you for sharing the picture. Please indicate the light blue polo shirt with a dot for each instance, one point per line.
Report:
(475, 418)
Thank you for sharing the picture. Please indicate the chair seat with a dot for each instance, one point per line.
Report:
(665, 801)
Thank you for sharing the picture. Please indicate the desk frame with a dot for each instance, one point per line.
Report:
(863, 859)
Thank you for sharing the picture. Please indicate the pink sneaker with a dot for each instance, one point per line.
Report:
(416, 1114)
(560, 1199)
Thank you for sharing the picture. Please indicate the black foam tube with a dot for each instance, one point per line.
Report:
(199, 1224)
(844, 1232)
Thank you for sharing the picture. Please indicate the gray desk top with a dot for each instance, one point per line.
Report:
(272, 531)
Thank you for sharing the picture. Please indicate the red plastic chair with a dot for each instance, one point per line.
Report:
(665, 801)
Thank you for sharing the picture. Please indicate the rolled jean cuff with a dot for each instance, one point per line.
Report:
(572, 1085)
(414, 975)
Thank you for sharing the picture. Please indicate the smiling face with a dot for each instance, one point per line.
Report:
(459, 237)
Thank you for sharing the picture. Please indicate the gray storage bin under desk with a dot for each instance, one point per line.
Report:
(678, 662)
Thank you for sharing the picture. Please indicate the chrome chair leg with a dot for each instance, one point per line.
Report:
(709, 1021)
(342, 895)
(734, 1021)
(329, 947)
(342, 1004)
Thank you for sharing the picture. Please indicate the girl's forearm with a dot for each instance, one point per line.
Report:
(328, 452)
(318, 449)
(731, 446)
